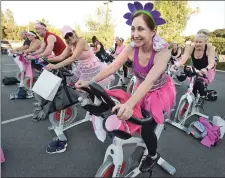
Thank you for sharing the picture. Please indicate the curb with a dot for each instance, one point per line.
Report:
(220, 71)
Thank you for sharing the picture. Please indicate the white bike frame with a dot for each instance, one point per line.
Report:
(115, 151)
(191, 110)
(172, 73)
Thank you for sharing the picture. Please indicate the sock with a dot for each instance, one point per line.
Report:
(154, 157)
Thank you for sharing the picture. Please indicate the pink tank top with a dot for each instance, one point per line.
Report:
(119, 49)
(141, 72)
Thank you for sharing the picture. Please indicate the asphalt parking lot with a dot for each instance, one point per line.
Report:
(24, 141)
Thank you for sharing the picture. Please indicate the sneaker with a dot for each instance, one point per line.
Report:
(56, 146)
(148, 163)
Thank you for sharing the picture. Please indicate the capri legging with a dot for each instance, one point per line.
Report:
(149, 137)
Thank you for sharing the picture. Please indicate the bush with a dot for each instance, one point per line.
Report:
(220, 66)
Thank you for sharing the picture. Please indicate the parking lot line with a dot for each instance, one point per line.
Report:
(11, 71)
(10, 64)
(16, 119)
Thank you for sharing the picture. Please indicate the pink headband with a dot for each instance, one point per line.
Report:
(38, 25)
(66, 29)
(159, 43)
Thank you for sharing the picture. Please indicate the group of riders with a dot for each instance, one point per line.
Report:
(149, 55)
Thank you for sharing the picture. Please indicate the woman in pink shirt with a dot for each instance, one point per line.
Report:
(119, 46)
(118, 49)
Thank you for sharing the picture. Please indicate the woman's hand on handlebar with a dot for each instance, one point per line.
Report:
(203, 72)
(124, 111)
(30, 57)
(50, 67)
(40, 60)
(82, 84)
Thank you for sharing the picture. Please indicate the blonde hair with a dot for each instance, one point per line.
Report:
(203, 33)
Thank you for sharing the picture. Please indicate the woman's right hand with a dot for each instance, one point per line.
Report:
(40, 60)
(82, 84)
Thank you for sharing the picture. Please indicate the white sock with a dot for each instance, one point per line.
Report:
(154, 157)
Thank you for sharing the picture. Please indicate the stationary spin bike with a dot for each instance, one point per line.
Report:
(188, 103)
(115, 163)
(65, 119)
(171, 72)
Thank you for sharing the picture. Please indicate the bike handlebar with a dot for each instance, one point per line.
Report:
(192, 71)
(100, 93)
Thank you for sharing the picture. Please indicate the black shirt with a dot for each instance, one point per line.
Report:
(26, 42)
(200, 63)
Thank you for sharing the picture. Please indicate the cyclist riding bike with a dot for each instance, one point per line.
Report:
(119, 47)
(99, 49)
(86, 66)
(52, 44)
(156, 90)
(203, 59)
(175, 52)
(35, 43)
(26, 43)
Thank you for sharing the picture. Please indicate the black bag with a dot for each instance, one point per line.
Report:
(64, 98)
(9, 81)
(211, 95)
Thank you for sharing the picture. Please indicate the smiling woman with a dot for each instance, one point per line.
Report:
(156, 91)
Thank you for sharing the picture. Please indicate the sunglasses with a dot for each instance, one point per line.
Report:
(70, 34)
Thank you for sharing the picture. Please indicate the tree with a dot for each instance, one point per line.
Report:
(218, 33)
(176, 13)
(189, 38)
(101, 26)
(3, 34)
(8, 25)
(219, 43)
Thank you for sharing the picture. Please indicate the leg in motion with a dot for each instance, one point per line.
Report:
(150, 140)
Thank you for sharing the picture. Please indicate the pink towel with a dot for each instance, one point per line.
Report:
(213, 133)
(114, 123)
(2, 156)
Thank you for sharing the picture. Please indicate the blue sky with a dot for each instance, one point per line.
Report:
(59, 13)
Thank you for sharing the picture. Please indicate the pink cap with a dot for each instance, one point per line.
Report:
(66, 29)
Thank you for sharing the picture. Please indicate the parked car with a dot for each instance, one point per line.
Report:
(5, 45)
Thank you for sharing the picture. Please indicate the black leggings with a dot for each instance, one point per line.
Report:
(125, 70)
(199, 86)
(149, 137)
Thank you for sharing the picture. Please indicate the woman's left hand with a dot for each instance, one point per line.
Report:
(50, 67)
(204, 71)
(124, 112)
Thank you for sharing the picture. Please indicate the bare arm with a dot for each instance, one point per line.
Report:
(115, 65)
(186, 55)
(211, 56)
(80, 47)
(64, 55)
(22, 48)
(49, 48)
(160, 63)
(41, 49)
(35, 46)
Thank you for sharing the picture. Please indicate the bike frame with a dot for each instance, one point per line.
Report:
(191, 110)
(115, 152)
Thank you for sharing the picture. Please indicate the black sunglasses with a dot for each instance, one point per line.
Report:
(70, 34)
